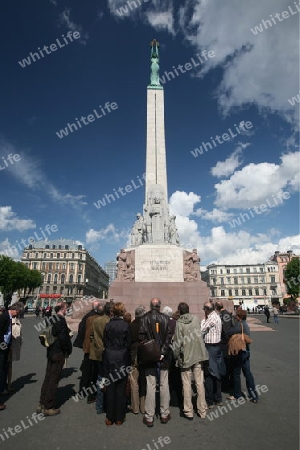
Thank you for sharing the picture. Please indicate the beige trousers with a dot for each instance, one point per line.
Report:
(150, 396)
(186, 377)
(137, 402)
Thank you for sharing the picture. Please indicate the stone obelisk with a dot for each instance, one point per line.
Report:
(156, 167)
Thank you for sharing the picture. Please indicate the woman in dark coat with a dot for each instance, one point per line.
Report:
(116, 365)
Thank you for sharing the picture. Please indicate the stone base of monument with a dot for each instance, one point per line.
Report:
(133, 294)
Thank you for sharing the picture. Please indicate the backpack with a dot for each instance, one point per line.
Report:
(15, 328)
(47, 337)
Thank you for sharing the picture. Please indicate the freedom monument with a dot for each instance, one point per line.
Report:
(155, 265)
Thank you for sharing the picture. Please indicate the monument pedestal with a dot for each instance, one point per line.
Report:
(195, 294)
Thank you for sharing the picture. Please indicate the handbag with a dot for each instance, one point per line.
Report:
(238, 342)
(149, 352)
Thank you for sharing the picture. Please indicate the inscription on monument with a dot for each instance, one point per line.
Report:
(159, 265)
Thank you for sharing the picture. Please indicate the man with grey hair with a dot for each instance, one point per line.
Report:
(155, 325)
(137, 376)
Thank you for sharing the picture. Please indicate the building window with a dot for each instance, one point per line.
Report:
(272, 278)
(265, 291)
(249, 280)
(55, 278)
(80, 256)
(79, 278)
(47, 289)
(71, 278)
(222, 293)
(61, 290)
(54, 247)
(73, 255)
(72, 266)
(256, 291)
(234, 271)
(228, 280)
(66, 247)
(261, 269)
(242, 280)
(262, 279)
(50, 266)
(274, 290)
(230, 292)
(222, 280)
(64, 266)
(235, 280)
(44, 265)
(227, 270)
(250, 292)
(27, 255)
(54, 289)
(57, 266)
(221, 270)
(241, 270)
(255, 279)
(58, 255)
(49, 278)
(254, 269)
(236, 292)
(247, 269)
(243, 291)
(79, 266)
(36, 255)
(35, 265)
(51, 255)
(47, 246)
(214, 281)
(62, 279)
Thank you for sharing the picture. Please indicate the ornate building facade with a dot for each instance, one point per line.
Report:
(250, 284)
(68, 271)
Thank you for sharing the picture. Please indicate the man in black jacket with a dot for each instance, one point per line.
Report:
(155, 325)
(56, 354)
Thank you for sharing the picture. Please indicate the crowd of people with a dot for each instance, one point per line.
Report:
(145, 365)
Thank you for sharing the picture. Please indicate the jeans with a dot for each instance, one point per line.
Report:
(100, 394)
(242, 363)
(276, 318)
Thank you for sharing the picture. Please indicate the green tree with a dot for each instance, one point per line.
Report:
(15, 276)
(292, 278)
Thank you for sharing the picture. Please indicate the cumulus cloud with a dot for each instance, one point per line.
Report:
(257, 69)
(109, 233)
(255, 183)
(182, 204)
(8, 249)
(227, 167)
(216, 215)
(9, 220)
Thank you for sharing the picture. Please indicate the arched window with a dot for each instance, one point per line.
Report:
(63, 277)
(49, 278)
(43, 277)
(64, 266)
(55, 278)
(71, 278)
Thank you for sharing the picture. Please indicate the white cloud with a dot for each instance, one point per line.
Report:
(227, 167)
(28, 172)
(258, 69)
(255, 183)
(182, 204)
(9, 220)
(8, 249)
(226, 247)
(108, 233)
(161, 20)
(64, 19)
(216, 215)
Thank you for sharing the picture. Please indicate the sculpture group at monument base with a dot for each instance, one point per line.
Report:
(170, 293)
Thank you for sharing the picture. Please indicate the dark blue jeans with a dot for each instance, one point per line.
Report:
(100, 406)
(242, 363)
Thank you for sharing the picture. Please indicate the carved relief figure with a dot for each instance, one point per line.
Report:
(191, 269)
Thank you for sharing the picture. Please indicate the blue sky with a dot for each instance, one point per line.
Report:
(250, 79)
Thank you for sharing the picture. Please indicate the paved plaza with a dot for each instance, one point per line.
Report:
(271, 424)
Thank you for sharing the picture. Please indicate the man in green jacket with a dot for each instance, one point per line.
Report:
(190, 352)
